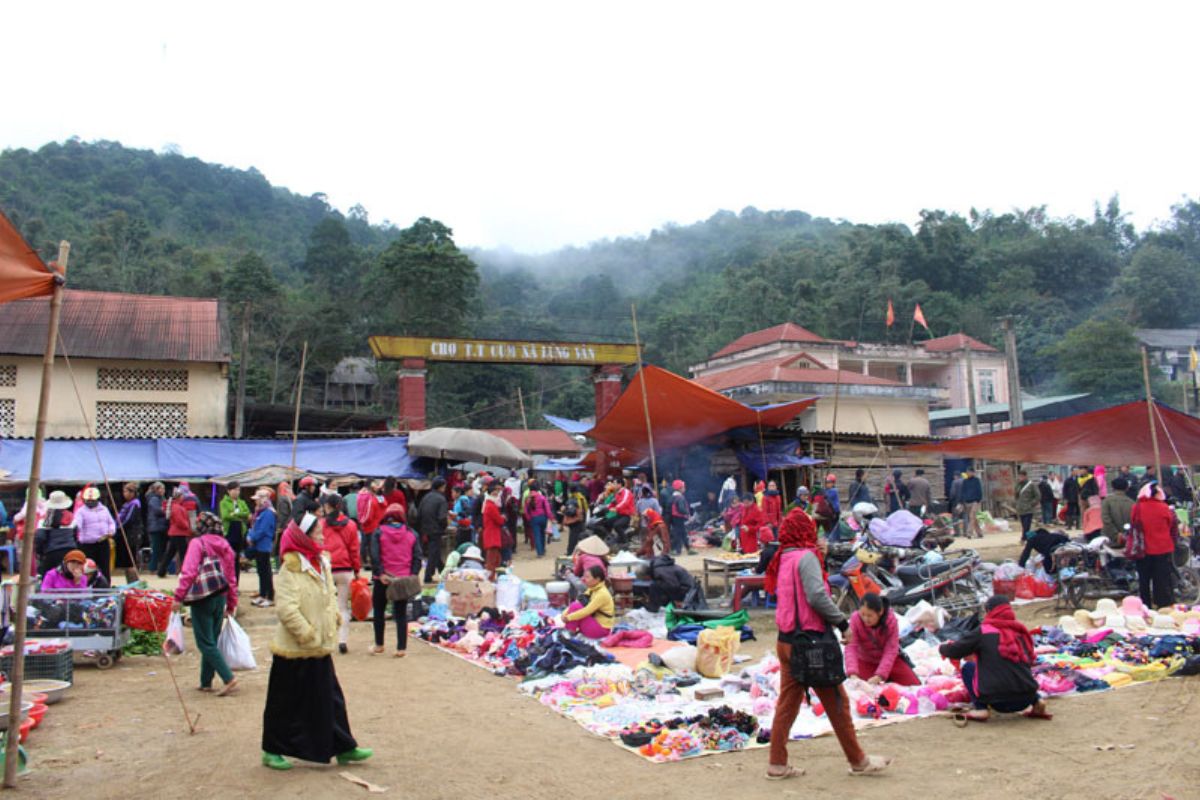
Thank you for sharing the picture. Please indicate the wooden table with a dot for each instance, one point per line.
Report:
(726, 569)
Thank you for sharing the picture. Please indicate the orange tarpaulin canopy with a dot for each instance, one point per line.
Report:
(681, 413)
(22, 272)
(1115, 435)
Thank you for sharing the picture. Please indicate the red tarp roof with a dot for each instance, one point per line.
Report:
(682, 412)
(22, 272)
(1115, 435)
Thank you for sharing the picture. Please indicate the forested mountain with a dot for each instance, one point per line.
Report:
(150, 222)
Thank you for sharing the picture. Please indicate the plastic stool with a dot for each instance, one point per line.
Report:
(11, 551)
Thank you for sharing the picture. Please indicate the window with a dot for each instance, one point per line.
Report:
(142, 380)
(8, 374)
(985, 380)
(8, 418)
(140, 420)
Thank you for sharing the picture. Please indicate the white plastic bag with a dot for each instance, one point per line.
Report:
(508, 593)
(234, 645)
(681, 658)
(174, 644)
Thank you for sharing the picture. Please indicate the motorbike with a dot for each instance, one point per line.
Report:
(906, 576)
(1091, 570)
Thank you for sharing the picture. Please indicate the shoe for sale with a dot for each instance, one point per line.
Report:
(357, 754)
(275, 761)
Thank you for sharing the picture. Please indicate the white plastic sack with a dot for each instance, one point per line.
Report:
(234, 645)
(926, 616)
(681, 658)
(174, 644)
(508, 593)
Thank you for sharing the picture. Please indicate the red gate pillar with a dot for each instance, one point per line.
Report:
(410, 394)
(607, 381)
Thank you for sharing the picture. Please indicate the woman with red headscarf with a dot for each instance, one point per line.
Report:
(796, 576)
(749, 525)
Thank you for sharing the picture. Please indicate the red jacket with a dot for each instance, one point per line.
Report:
(772, 508)
(398, 497)
(370, 512)
(624, 504)
(180, 521)
(1157, 520)
(752, 520)
(341, 542)
(493, 521)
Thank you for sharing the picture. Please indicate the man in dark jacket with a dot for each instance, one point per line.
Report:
(1045, 543)
(1000, 677)
(1115, 511)
(432, 514)
(1180, 490)
(1046, 493)
(306, 499)
(668, 583)
(971, 495)
(1071, 497)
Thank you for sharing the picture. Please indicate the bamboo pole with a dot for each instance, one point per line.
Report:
(1150, 413)
(645, 399)
(25, 581)
(299, 394)
(524, 422)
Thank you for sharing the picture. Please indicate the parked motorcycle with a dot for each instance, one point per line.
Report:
(1089, 571)
(906, 576)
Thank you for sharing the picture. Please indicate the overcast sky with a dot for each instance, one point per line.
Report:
(534, 125)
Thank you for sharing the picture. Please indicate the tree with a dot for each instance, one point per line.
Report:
(423, 284)
(331, 261)
(1159, 288)
(1100, 357)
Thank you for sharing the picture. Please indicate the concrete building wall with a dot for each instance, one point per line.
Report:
(893, 417)
(120, 398)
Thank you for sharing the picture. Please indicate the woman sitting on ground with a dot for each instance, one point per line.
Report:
(67, 576)
(873, 650)
(999, 675)
(593, 619)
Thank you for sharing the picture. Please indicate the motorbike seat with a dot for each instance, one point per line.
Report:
(915, 573)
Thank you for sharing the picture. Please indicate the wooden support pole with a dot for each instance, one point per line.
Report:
(239, 413)
(299, 395)
(25, 580)
(1150, 411)
(645, 398)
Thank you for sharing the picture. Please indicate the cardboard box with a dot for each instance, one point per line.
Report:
(470, 597)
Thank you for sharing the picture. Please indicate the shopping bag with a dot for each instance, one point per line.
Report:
(234, 644)
(360, 599)
(715, 648)
(174, 645)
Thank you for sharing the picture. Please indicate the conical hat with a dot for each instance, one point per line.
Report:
(593, 546)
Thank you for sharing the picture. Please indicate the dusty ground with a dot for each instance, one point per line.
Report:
(443, 728)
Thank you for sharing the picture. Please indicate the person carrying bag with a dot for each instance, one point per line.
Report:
(809, 655)
(205, 586)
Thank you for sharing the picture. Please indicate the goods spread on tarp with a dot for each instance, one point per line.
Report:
(667, 715)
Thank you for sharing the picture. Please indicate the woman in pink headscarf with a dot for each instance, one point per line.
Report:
(1101, 481)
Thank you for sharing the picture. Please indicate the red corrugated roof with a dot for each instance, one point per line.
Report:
(777, 370)
(538, 441)
(114, 325)
(956, 341)
(787, 332)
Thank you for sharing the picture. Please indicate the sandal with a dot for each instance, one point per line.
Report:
(1038, 713)
(400, 654)
(788, 772)
(377, 650)
(874, 765)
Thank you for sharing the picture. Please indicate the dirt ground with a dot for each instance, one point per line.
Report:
(442, 728)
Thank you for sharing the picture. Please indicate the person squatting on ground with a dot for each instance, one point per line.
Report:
(796, 576)
(305, 713)
(873, 647)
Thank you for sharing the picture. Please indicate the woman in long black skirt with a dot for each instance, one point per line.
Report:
(305, 715)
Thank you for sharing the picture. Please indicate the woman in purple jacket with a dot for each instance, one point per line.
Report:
(67, 576)
(395, 554)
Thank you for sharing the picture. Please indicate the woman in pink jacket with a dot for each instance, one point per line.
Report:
(210, 603)
(395, 554)
(873, 649)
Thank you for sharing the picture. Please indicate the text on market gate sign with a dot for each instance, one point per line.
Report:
(503, 352)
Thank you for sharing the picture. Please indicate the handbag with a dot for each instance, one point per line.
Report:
(1135, 543)
(816, 659)
(507, 540)
(210, 579)
(399, 590)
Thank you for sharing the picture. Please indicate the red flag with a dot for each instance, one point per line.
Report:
(891, 315)
(920, 317)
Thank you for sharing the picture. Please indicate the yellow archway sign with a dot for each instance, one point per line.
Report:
(498, 351)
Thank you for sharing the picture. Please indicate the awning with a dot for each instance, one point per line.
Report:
(682, 413)
(75, 460)
(22, 272)
(1115, 435)
(1035, 410)
(783, 454)
(463, 444)
(572, 426)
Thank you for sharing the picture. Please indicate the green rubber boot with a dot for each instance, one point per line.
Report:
(275, 762)
(357, 754)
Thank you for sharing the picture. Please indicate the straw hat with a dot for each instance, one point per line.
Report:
(1163, 622)
(593, 546)
(1105, 607)
(1136, 623)
(58, 501)
(1071, 626)
(1115, 621)
(1084, 618)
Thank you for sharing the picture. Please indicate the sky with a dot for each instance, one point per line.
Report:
(532, 126)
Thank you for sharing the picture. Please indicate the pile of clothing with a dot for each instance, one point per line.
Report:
(67, 613)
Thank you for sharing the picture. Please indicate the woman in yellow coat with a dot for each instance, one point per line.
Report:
(305, 715)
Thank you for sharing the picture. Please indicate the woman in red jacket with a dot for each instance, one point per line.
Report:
(1159, 525)
(752, 521)
(772, 505)
(493, 527)
(340, 539)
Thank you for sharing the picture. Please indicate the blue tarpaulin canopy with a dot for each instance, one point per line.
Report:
(170, 459)
(779, 454)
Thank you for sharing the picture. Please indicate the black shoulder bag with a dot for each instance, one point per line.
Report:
(816, 657)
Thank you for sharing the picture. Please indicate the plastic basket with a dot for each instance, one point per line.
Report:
(51, 666)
